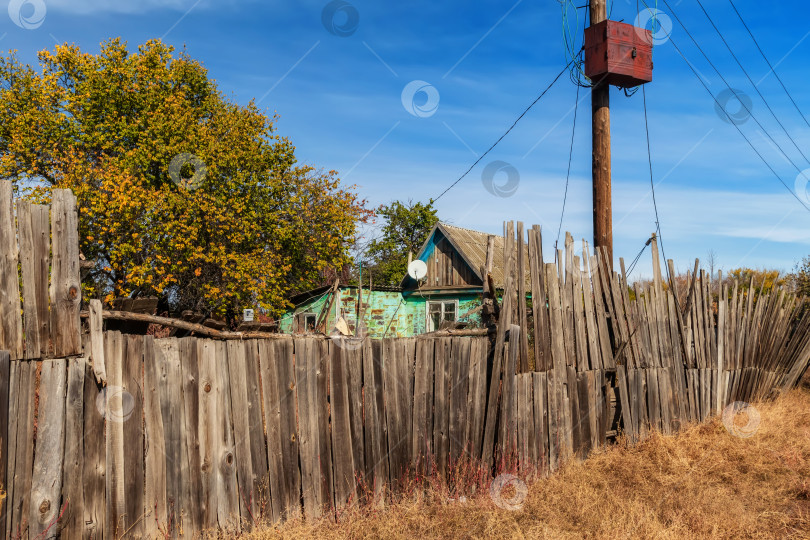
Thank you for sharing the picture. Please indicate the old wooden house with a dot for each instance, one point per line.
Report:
(449, 295)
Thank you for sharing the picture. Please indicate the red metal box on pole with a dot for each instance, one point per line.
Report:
(619, 54)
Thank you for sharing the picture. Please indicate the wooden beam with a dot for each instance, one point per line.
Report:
(185, 325)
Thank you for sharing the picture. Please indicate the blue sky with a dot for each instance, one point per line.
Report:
(340, 100)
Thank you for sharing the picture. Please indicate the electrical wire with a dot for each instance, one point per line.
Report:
(568, 174)
(652, 183)
(638, 257)
(738, 127)
(756, 88)
(748, 110)
(773, 69)
(460, 178)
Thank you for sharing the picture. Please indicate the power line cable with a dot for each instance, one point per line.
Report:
(747, 76)
(747, 109)
(638, 257)
(773, 69)
(506, 133)
(694, 71)
(652, 183)
(568, 174)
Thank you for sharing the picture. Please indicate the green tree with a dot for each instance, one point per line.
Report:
(406, 228)
(182, 193)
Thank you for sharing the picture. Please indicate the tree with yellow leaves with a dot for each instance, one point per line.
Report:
(182, 194)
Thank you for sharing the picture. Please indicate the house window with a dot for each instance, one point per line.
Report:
(441, 312)
(306, 322)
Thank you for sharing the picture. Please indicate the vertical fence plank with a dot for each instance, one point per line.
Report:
(539, 390)
(588, 412)
(28, 265)
(525, 407)
(194, 499)
(441, 393)
(11, 329)
(259, 494)
(154, 444)
(375, 435)
(66, 290)
(287, 382)
(6, 380)
(581, 345)
(271, 396)
(9, 447)
(421, 447)
(494, 394)
(286, 362)
(459, 373)
(624, 402)
(41, 229)
(132, 390)
(240, 410)
(306, 364)
(207, 429)
(113, 417)
(353, 353)
(325, 462)
(394, 393)
(24, 460)
(521, 298)
(46, 482)
(343, 453)
(477, 395)
(170, 387)
(95, 468)
(228, 516)
(542, 340)
(573, 412)
(34, 235)
(73, 471)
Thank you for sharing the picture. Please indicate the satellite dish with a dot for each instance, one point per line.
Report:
(417, 269)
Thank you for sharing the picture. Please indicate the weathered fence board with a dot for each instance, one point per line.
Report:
(66, 289)
(73, 469)
(95, 469)
(345, 481)
(11, 329)
(132, 419)
(5, 384)
(169, 386)
(114, 413)
(46, 481)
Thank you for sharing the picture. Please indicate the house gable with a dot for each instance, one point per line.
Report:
(447, 265)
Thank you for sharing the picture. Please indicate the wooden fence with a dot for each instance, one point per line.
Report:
(192, 434)
(665, 362)
(106, 435)
(41, 251)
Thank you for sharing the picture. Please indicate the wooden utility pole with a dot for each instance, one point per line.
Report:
(600, 105)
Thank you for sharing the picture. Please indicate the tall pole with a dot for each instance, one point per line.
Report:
(600, 106)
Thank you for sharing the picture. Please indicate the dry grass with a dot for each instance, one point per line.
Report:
(701, 483)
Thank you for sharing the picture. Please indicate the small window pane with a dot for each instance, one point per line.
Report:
(450, 311)
(435, 321)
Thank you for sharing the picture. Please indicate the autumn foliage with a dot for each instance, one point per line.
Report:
(253, 226)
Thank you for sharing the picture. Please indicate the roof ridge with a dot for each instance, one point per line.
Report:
(445, 224)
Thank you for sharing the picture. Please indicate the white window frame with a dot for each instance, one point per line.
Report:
(442, 302)
(302, 321)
